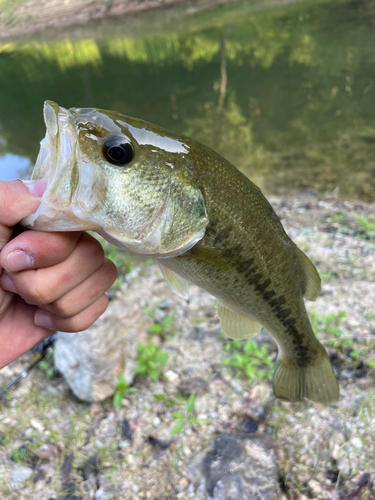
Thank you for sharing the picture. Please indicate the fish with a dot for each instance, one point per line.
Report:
(162, 195)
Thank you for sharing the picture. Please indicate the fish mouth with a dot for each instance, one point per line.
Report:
(57, 163)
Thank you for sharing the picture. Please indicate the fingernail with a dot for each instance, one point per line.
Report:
(7, 283)
(18, 260)
(43, 319)
(36, 188)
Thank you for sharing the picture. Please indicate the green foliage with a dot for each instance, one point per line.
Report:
(248, 359)
(367, 227)
(21, 455)
(151, 360)
(165, 328)
(330, 325)
(123, 260)
(47, 366)
(122, 390)
(186, 413)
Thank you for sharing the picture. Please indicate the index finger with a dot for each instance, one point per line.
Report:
(17, 199)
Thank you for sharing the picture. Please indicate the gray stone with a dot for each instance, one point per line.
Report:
(239, 467)
(92, 360)
(20, 475)
(105, 493)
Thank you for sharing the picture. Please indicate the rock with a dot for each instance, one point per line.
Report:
(171, 375)
(20, 475)
(92, 360)
(239, 467)
(235, 385)
(156, 422)
(247, 424)
(357, 443)
(194, 385)
(105, 493)
(37, 424)
(315, 487)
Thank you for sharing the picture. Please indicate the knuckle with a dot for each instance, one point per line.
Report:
(111, 271)
(39, 295)
(93, 248)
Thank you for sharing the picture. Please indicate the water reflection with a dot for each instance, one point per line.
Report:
(285, 94)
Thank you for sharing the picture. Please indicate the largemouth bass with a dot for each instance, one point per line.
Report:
(165, 196)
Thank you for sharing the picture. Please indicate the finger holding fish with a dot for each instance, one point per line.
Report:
(43, 286)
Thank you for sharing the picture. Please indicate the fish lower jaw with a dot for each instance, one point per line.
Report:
(48, 218)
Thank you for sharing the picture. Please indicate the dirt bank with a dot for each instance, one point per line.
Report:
(26, 17)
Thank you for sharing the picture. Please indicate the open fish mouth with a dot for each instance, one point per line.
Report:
(61, 208)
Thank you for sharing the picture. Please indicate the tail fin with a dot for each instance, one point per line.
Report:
(316, 381)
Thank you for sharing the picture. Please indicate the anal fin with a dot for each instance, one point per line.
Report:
(236, 325)
(175, 282)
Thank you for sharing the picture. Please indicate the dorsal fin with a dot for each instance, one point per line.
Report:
(175, 282)
(236, 325)
(313, 279)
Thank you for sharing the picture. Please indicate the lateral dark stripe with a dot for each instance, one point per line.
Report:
(278, 306)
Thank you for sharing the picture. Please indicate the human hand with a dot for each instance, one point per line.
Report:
(48, 281)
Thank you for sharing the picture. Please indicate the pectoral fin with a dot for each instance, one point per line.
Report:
(175, 282)
(213, 256)
(236, 325)
(312, 276)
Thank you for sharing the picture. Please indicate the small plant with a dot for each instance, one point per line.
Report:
(340, 340)
(151, 360)
(183, 417)
(329, 323)
(21, 455)
(367, 227)
(248, 359)
(46, 366)
(164, 329)
(123, 260)
(122, 390)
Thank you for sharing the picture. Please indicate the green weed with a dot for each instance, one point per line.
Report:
(331, 325)
(124, 261)
(122, 390)
(47, 366)
(248, 359)
(366, 226)
(186, 413)
(165, 329)
(151, 360)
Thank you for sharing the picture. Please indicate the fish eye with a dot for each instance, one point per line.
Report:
(117, 152)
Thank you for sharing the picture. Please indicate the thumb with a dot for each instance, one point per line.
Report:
(18, 199)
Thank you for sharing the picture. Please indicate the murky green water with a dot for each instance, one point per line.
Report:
(286, 94)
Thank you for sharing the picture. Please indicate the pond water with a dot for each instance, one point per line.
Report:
(287, 94)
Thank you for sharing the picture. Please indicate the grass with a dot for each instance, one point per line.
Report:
(122, 390)
(151, 360)
(165, 328)
(248, 360)
(366, 227)
(355, 350)
(186, 413)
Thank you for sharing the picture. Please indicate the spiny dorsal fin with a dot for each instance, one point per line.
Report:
(175, 282)
(313, 279)
(237, 326)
